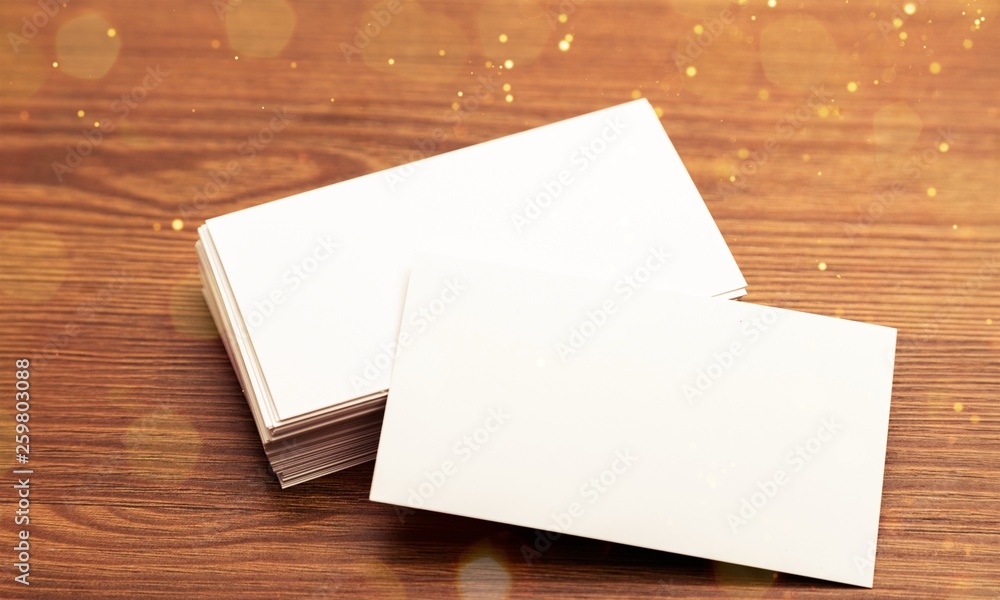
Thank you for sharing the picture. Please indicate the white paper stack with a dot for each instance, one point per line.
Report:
(718, 429)
(307, 291)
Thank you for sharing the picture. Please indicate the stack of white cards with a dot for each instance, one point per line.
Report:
(307, 291)
(545, 322)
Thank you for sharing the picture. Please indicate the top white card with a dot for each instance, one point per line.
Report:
(708, 427)
(319, 278)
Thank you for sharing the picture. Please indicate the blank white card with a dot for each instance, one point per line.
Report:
(319, 278)
(621, 412)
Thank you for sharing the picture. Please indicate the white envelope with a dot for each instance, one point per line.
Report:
(708, 427)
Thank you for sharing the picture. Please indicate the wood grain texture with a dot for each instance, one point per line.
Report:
(149, 477)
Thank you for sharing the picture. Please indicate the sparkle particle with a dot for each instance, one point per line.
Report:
(852, 86)
(509, 64)
(177, 224)
(822, 266)
(503, 38)
(931, 192)
(958, 407)
(563, 45)
(509, 98)
(691, 71)
(943, 147)
(934, 68)
(112, 32)
(80, 113)
(563, 17)
(909, 8)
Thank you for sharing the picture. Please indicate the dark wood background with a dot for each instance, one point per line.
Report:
(149, 479)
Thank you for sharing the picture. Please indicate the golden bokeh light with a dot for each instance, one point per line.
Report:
(23, 65)
(405, 41)
(483, 573)
(134, 134)
(189, 315)
(702, 9)
(743, 582)
(162, 446)
(516, 31)
(724, 63)
(83, 47)
(897, 127)
(796, 52)
(260, 28)
(33, 263)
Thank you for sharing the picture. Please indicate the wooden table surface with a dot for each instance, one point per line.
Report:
(848, 151)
